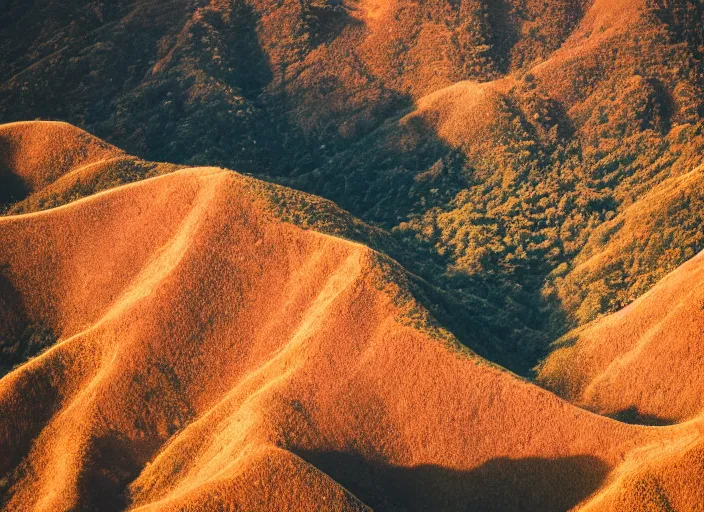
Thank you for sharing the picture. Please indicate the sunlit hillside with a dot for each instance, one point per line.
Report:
(351, 255)
(197, 341)
(492, 139)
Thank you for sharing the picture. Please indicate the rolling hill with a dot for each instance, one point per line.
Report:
(601, 366)
(182, 343)
(491, 139)
(458, 266)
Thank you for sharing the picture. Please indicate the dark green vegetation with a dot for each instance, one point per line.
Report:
(22, 347)
(20, 340)
(557, 198)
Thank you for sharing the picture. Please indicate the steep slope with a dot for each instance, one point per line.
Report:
(657, 480)
(73, 183)
(627, 255)
(509, 180)
(206, 353)
(642, 362)
(212, 80)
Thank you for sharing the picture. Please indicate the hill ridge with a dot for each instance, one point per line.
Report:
(205, 382)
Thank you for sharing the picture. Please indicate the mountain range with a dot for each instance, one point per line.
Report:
(455, 266)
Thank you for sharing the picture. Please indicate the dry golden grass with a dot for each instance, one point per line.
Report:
(647, 357)
(51, 164)
(41, 152)
(463, 115)
(495, 136)
(213, 355)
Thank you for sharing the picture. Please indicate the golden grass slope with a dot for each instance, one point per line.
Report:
(41, 152)
(52, 163)
(210, 355)
(645, 358)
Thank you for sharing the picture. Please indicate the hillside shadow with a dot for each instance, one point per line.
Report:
(403, 170)
(113, 461)
(315, 132)
(245, 64)
(20, 338)
(328, 19)
(633, 416)
(500, 485)
(12, 187)
(504, 35)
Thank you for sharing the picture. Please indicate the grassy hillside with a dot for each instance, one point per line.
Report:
(208, 352)
(497, 142)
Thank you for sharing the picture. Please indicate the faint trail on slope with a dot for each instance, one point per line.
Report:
(239, 421)
(65, 445)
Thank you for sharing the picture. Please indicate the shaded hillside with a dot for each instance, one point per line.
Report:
(625, 256)
(204, 350)
(31, 159)
(228, 82)
(516, 171)
(508, 179)
(48, 164)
